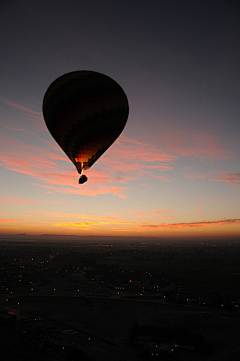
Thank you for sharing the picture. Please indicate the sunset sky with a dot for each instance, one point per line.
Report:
(175, 170)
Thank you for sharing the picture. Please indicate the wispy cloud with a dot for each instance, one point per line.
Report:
(79, 220)
(42, 165)
(6, 220)
(203, 223)
(197, 210)
(35, 118)
(76, 215)
(231, 178)
(89, 190)
(23, 158)
(142, 152)
(166, 213)
(20, 107)
(9, 200)
(196, 175)
(197, 145)
(82, 225)
(132, 160)
(118, 225)
(29, 165)
(128, 160)
(136, 213)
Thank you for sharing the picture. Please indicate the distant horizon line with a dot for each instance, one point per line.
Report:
(114, 238)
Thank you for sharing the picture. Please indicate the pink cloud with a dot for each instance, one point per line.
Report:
(28, 166)
(231, 178)
(116, 167)
(195, 211)
(9, 200)
(90, 191)
(196, 175)
(135, 151)
(18, 155)
(137, 213)
(166, 213)
(20, 107)
(192, 144)
(161, 167)
(132, 160)
(35, 119)
(127, 160)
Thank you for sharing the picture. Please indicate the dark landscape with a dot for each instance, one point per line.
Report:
(119, 301)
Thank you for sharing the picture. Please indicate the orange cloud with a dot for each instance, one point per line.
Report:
(117, 223)
(80, 224)
(11, 220)
(75, 215)
(112, 226)
(222, 222)
(91, 225)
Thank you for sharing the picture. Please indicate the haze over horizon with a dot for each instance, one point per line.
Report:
(175, 170)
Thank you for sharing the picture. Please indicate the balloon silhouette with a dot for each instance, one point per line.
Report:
(85, 112)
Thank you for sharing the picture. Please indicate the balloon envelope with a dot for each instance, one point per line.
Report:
(85, 112)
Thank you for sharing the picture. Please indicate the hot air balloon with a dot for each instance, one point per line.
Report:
(85, 112)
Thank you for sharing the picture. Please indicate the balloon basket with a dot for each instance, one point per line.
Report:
(82, 179)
